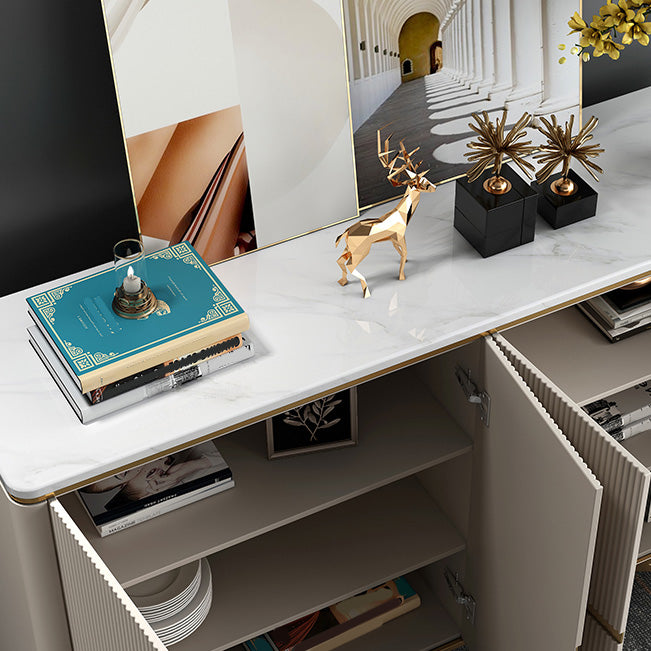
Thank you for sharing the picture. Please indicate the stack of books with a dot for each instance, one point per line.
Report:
(103, 362)
(154, 488)
(329, 628)
(620, 313)
(625, 413)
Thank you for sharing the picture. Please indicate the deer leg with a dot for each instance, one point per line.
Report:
(366, 292)
(343, 258)
(351, 266)
(401, 247)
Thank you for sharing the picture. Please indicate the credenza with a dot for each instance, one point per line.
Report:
(476, 473)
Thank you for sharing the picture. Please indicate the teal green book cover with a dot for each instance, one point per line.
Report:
(194, 310)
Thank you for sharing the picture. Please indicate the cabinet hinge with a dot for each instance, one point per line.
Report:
(473, 394)
(460, 595)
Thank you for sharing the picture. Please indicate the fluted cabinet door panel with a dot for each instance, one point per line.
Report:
(595, 638)
(534, 522)
(626, 483)
(100, 614)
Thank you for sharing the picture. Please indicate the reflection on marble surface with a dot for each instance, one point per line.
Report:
(312, 335)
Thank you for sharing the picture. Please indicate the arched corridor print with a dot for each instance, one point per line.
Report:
(472, 55)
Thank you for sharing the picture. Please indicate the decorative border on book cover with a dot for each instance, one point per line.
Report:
(223, 306)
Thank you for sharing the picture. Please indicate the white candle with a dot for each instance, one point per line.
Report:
(132, 283)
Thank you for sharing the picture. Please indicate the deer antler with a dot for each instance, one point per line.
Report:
(408, 167)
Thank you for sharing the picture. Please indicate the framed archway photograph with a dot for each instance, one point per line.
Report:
(427, 65)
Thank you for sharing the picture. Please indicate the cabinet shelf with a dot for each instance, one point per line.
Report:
(427, 627)
(334, 554)
(566, 347)
(269, 494)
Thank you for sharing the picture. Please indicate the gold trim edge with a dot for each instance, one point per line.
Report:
(322, 394)
(608, 628)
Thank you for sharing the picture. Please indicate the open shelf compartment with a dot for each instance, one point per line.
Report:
(334, 554)
(271, 494)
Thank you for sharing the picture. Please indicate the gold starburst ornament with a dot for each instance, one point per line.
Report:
(561, 148)
(493, 146)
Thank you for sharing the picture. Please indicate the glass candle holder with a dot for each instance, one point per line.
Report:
(133, 298)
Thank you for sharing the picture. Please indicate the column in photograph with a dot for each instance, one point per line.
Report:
(502, 59)
(475, 19)
(561, 81)
(451, 47)
(449, 64)
(365, 35)
(469, 41)
(488, 48)
(463, 33)
(526, 40)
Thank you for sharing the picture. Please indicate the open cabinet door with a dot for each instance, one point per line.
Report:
(625, 482)
(100, 614)
(533, 523)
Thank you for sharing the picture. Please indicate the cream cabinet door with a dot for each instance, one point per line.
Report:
(533, 523)
(626, 484)
(100, 614)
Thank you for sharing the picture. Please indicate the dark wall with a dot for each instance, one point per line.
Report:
(65, 191)
(604, 78)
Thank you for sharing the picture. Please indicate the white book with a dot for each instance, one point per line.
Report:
(620, 410)
(87, 412)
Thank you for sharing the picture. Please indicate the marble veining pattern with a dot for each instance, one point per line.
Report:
(312, 335)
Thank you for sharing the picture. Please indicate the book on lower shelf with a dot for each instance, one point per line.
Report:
(130, 391)
(157, 487)
(625, 413)
(98, 347)
(344, 621)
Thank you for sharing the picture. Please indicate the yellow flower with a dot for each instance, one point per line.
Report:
(615, 14)
(561, 46)
(562, 60)
(576, 23)
(610, 48)
(637, 30)
(590, 36)
(574, 50)
(586, 56)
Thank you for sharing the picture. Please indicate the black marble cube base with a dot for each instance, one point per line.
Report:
(495, 223)
(561, 211)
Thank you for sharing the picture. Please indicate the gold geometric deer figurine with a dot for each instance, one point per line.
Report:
(392, 225)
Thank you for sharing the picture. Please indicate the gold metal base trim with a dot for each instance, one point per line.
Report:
(564, 187)
(451, 646)
(497, 185)
(616, 635)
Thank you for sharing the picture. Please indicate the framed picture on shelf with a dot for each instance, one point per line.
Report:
(323, 424)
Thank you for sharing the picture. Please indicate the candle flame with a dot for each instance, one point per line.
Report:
(130, 271)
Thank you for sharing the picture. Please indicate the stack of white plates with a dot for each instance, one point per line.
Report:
(177, 602)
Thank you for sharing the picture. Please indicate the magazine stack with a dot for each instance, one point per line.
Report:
(157, 487)
(623, 414)
(621, 312)
(103, 362)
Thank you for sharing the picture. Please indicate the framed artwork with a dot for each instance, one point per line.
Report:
(323, 424)
(219, 119)
(425, 67)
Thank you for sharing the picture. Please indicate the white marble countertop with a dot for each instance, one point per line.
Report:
(313, 335)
